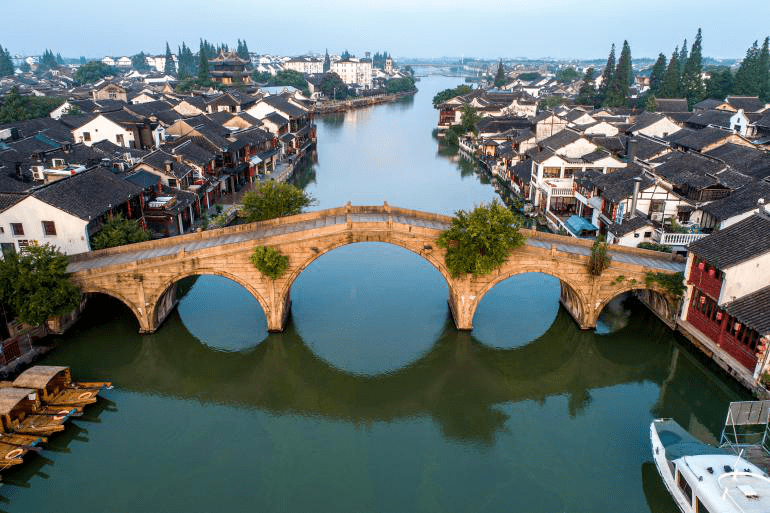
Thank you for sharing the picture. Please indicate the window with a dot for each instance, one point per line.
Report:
(119, 139)
(7, 248)
(657, 205)
(17, 229)
(23, 245)
(647, 235)
(171, 182)
(699, 507)
(636, 235)
(49, 228)
(684, 486)
(87, 136)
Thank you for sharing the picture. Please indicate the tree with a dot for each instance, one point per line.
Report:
(682, 57)
(270, 262)
(397, 85)
(327, 62)
(119, 231)
(480, 241)
(243, 50)
(720, 84)
(567, 75)
(692, 83)
(25, 67)
(18, 108)
(469, 118)
(332, 86)
(59, 60)
(599, 259)
(35, 286)
(616, 94)
(657, 73)
(500, 78)
(271, 199)
(448, 94)
(669, 88)
(93, 71)
(607, 75)
(47, 61)
(292, 78)
(139, 62)
(169, 68)
(530, 76)
(203, 64)
(764, 71)
(6, 64)
(650, 104)
(587, 92)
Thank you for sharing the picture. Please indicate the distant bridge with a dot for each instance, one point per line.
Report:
(144, 275)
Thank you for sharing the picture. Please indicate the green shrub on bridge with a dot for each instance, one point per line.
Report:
(119, 231)
(270, 262)
(599, 259)
(673, 283)
(271, 199)
(480, 241)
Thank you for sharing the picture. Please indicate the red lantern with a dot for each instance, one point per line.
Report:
(711, 272)
(719, 316)
(702, 299)
(737, 327)
(701, 265)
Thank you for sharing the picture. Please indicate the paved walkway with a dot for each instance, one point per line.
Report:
(664, 263)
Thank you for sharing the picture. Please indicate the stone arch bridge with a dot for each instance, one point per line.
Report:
(144, 275)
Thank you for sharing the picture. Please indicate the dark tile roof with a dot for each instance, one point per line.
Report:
(88, 194)
(615, 144)
(752, 310)
(764, 121)
(158, 158)
(737, 243)
(142, 178)
(628, 225)
(739, 202)
(284, 106)
(9, 200)
(192, 152)
(687, 169)
(220, 118)
(749, 161)
(560, 139)
(644, 120)
(747, 103)
(122, 117)
(493, 124)
(708, 104)
(168, 117)
(711, 117)
(147, 109)
(618, 185)
(523, 170)
(53, 129)
(76, 154)
(250, 119)
(700, 139)
(671, 105)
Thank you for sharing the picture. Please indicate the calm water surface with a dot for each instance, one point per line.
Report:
(371, 400)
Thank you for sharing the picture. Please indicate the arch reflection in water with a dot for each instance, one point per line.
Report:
(369, 308)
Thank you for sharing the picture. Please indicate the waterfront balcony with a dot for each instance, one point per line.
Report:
(676, 239)
(559, 187)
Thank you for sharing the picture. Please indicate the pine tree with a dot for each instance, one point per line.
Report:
(670, 86)
(720, 85)
(607, 74)
(59, 60)
(203, 65)
(692, 83)
(6, 64)
(682, 58)
(500, 76)
(327, 62)
(657, 73)
(587, 92)
(617, 91)
(764, 71)
(169, 68)
(748, 76)
(244, 52)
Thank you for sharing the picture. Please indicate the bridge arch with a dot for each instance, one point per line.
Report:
(158, 310)
(433, 256)
(654, 296)
(141, 316)
(571, 295)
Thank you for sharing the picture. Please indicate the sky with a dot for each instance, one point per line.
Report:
(404, 28)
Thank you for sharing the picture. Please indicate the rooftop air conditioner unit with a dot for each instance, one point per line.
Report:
(656, 216)
(37, 173)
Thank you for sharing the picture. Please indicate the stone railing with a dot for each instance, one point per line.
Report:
(677, 239)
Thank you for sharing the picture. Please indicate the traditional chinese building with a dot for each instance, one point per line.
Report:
(227, 68)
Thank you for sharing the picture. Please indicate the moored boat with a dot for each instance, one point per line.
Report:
(13, 447)
(703, 478)
(55, 386)
(21, 412)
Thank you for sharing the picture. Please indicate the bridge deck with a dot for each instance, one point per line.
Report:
(97, 261)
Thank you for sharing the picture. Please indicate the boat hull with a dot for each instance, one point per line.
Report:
(659, 456)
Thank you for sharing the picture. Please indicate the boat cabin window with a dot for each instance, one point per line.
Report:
(699, 507)
(684, 486)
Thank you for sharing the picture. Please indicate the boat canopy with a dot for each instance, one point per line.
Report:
(38, 376)
(678, 443)
(10, 397)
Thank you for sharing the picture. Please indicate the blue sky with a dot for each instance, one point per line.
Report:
(413, 28)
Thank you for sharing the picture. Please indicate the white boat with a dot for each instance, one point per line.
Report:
(706, 479)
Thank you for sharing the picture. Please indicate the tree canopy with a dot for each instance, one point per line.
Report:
(93, 71)
(18, 108)
(332, 86)
(139, 62)
(448, 94)
(292, 78)
(669, 88)
(34, 285)
(168, 67)
(119, 231)
(6, 64)
(567, 75)
(271, 199)
(657, 73)
(269, 261)
(692, 86)
(607, 75)
(500, 78)
(616, 93)
(481, 240)
(397, 85)
(587, 92)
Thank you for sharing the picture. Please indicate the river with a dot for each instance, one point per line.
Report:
(371, 400)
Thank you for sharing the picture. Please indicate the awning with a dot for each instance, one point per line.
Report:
(255, 160)
(578, 225)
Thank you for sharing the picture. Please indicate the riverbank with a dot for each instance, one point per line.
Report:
(330, 106)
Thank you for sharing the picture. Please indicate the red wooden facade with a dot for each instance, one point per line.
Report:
(726, 331)
(705, 277)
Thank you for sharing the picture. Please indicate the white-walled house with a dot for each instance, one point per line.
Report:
(106, 127)
(655, 125)
(354, 71)
(67, 212)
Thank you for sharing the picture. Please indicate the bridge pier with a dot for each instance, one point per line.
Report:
(573, 304)
(462, 304)
(279, 312)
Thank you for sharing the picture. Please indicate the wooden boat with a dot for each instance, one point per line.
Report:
(22, 413)
(13, 447)
(56, 388)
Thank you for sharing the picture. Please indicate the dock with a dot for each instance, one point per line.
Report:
(747, 431)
